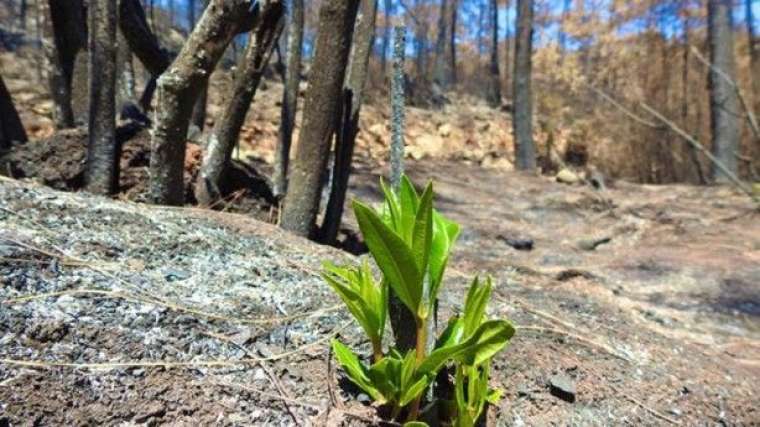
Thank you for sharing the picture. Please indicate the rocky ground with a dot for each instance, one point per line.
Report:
(637, 305)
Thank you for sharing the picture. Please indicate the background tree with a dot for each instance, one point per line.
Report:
(753, 45)
(440, 74)
(522, 118)
(724, 104)
(103, 152)
(226, 132)
(345, 134)
(198, 118)
(178, 89)
(11, 129)
(322, 106)
(289, 98)
(64, 35)
(144, 44)
(494, 92)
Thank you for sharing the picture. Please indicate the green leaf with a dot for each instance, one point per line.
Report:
(490, 338)
(356, 370)
(392, 255)
(413, 391)
(362, 295)
(453, 334)
(475, 304)
(415, 424)
(392, 206)
(445, 233)
(384, 375)
(409, 203)
(494, 396)
(423, 229)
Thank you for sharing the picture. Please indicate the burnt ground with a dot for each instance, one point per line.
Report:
(645, 299)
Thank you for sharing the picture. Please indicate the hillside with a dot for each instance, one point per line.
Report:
(636, 306)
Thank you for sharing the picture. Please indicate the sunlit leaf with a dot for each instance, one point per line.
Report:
(392, 255)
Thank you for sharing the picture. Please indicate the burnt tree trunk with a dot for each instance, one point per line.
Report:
(178, 88)
(494, 94)
(289, 99)
(11, 128)
(102, 171)
(345, 135)
(522, 117)
(387, 10)
(453, 41)
(143, 43)
(321, 109)
(440, 74)
(198, 118)
(224, 136)
(63, 36)
(724, 105)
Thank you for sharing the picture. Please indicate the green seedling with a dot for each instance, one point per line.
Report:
(410, 243)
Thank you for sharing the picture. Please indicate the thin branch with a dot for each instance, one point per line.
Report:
(285, 396)
(748, 113)
(622, 108)
(694, 143)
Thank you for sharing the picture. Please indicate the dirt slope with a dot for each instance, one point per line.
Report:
(658, 326)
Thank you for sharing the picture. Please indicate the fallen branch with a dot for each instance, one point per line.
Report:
(694, 143)
(645, 407)
(284, 394)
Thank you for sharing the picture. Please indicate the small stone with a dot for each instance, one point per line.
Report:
(363, 398)
(519, 243)
(563, 387)
(151, 410)
(592, 244)
(566, 176)
(172, 275)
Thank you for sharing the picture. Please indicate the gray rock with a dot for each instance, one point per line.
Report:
(563, 387)
(592, 244)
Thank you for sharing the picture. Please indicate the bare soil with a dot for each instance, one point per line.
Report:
(645, 298)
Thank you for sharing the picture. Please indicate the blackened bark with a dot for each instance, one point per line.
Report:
(439, 71)
(353, 95)
(522, 118)
(453, 41)
(178, 88)
(388, 10)
(321, 109)
(198, 118)
(289, 99)
(142, 42)
(724, 104)
(102, 171)
(11, 128)
(224, 136)
(63, 36)
(494, 94)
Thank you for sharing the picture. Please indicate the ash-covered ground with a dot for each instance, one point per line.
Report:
(635, 306)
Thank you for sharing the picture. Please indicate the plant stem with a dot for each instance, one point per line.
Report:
(377, 350)
(420, 352)
(421, 340)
